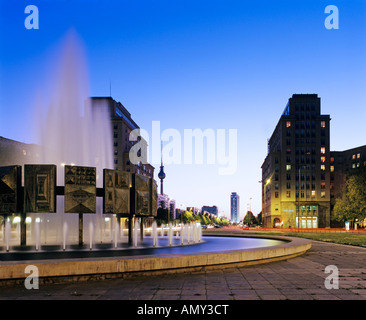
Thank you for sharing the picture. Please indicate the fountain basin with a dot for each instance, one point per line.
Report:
(78, 269)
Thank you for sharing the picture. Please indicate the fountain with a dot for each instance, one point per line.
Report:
(71, 133)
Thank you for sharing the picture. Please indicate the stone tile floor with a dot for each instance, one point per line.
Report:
(300, 278)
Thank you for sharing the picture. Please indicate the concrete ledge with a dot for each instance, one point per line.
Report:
(79, 269)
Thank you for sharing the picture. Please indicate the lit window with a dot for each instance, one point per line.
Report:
(322, 194)
(322, 150)
(322, 124)
(322, 159)
(358, 156)
(322, 167)
(331, 159)
(331, 168)
(313, 193)
(288, 124)
(354, 156)
(322, 185)
(288, 167)
(353, 166)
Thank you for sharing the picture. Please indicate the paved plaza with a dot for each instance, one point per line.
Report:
(300, 278)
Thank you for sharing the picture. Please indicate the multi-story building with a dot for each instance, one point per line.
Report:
(295, 173)
(165, 202)
(341, 164)
(234, 207)
(15, 152)
(122, 125)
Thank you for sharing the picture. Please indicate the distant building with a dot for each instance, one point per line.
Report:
(234, 207)
(213, 210)
(165, 202)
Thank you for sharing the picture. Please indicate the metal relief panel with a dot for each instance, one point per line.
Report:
(142, 195)
(10, 184)
(154, 193)
(40, 188)
(117, 185)
(80, 189)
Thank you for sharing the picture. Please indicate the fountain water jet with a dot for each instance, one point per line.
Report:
(181, 234)
(91, 231)
(71, 131)
(64, 234)
(7, 234)
(170, 234)
(116, 234)
(37, 233)
(135, 233)
(154, 234)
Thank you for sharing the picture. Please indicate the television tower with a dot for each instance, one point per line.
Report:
(161, 174)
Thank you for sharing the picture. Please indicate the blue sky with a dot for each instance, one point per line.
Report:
(196, 64)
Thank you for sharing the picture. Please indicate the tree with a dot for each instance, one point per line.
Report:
(249, 218)
(187, 216)
(352, 204)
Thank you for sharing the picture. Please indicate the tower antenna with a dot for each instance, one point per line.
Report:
(161, 174)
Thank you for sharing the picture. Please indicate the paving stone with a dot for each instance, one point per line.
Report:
(299, 278)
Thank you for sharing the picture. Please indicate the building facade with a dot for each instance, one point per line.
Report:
(122, 125)
(296, 170)
(234, 207)
(341, 164)
(15, 152)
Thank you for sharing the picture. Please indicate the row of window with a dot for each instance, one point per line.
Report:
(354, 156)
(302, 194)
(303, 124)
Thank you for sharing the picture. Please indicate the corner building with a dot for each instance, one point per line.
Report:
(296, 170)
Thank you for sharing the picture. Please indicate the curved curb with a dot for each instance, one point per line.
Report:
(79, 269)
